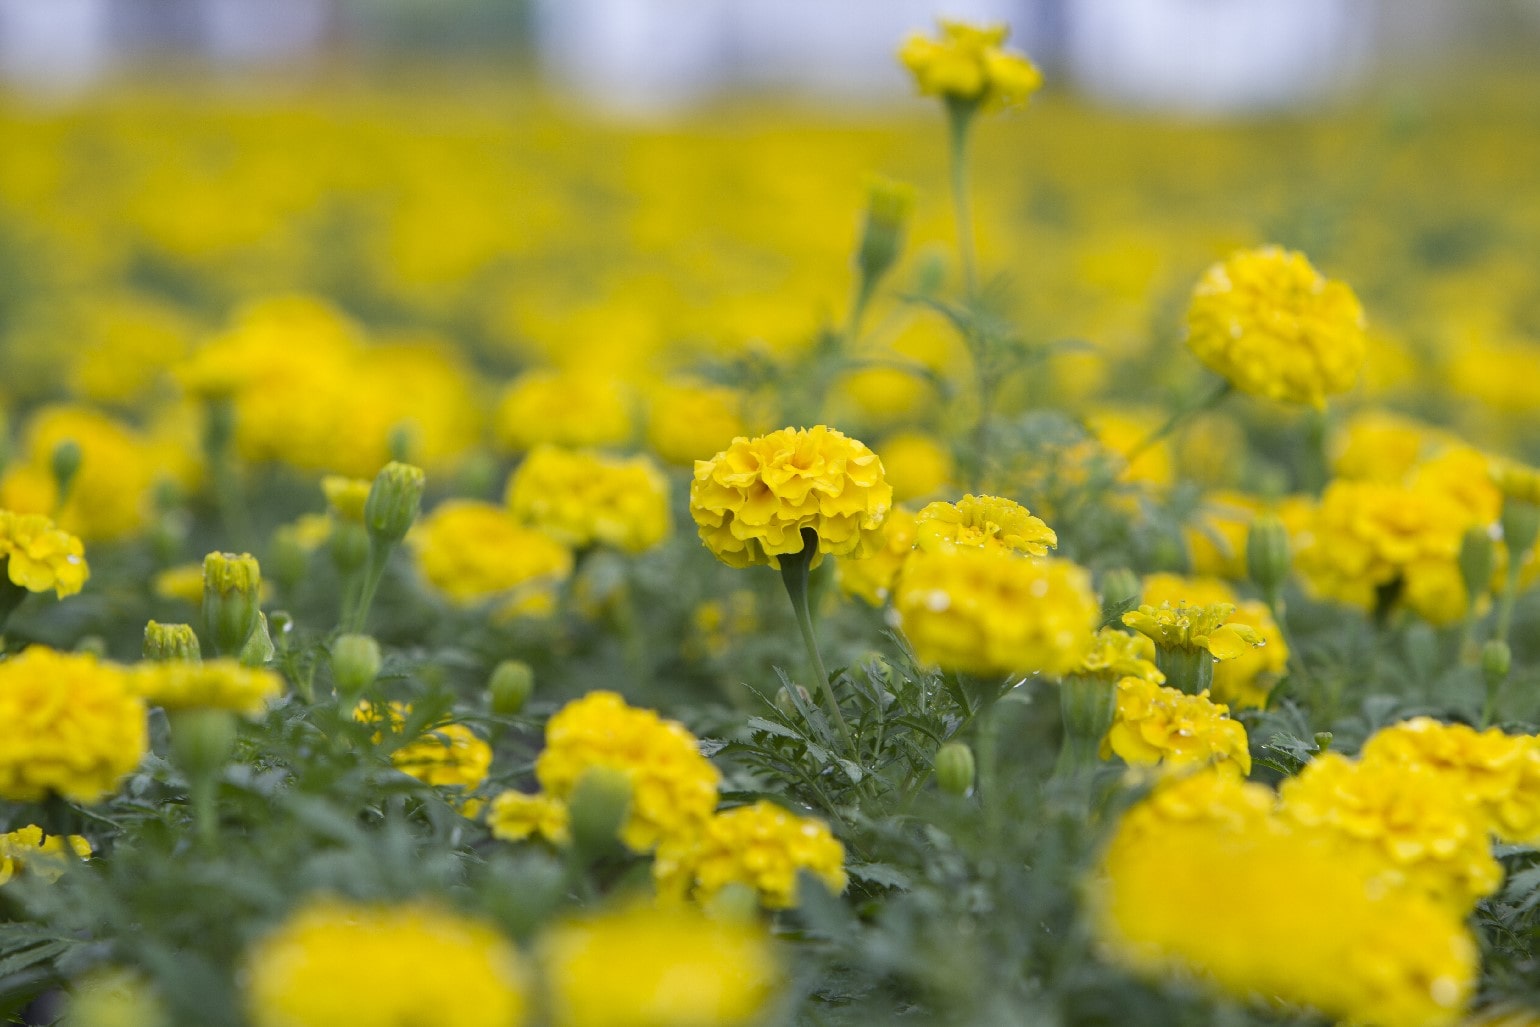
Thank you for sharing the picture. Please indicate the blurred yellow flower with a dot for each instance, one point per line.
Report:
(39, 556)
(582, 498)
(446, 755)
(983, 522)
(514, 816)
(208, 685)
(345, 497)
(579, 409)
(26, 850)
(871, 577)
(762, 846)
(1115, 655)
(918, 465)
(686, 420)
(968, 63)
(473, 552)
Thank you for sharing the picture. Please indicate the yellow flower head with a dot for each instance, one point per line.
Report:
(514, 816)
(1115, 655)
(762, 846)
(968, 63)
(39, 556)
(474, 551)
(918, 465)
(345, 497)
(986, 611)
(1245, 680)
(564, 408)
(1409, 820)
(1159, 725)
(981, 522)
(871, 577)
(1271, 324)
(753, 501)
(26, 850)
(1358, 952)
(334, 962)
(686, 419)
(210, 685)
(449, 755)
(673, 787)
(1194, 628)
(68, 726)
(581, 498)
(669, 966)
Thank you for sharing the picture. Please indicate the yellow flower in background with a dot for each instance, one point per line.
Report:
(582, 498)
(669, 966)
(969, 63)
(474, 552)
(1216, 537)
(39, 556)
(1409, 819)
(1159, 725)
(208, 685)
(752, 501)
(1245, 680)
(1115, 655)
(1516, 481)
(1377, 445)
(988, 611)
(1191, 628)
(686, 420)
(345, 497)
(446, 755)
(514, 816)
(111, 996)
(982, 522)
(1272, 325)
(918, 465)
(578, 409)
(334, 961)
(69, 726)
(26, 850)
(1357, 952)
(871, 577)
(673, 787)
(764, 847)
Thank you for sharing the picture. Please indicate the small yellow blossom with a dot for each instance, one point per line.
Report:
(753, 501)
(1159, 725)
(114, 997)
(39, 556)
(563, 408)
(26, 850)
(1271, 324)
(1115, 655)
(581, 498)
(334, 962)
(982, 522)
(345, 497)
(1194, 627)
(968, 63)
(871, 577)
(210, 685)
(68, 726)
(473, 552)
(448, 755)
(1245, 680)
(514, 816)
(764, 847)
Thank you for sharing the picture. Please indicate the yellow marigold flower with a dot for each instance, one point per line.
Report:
(564, 408)
(333, 962)
(968, 63)
(981, 522)
(1376, 445)
(1121, 434)
(986, 611)
(583, 498)
(1245, 680)
(687, 419)
(514, 816)
(39, 556)
(1193, 628)
(673, 787)
(871, 577)
(345, 497)
(720, 623)
(210, 685)
(68, 726)
(764, 847)
(1271, 324)
(114, 997)
(1356, 952)
(448, 755)
(1154, 724)
(474, 551)
(918, 465)
(1497, 773)
(1115, 655)
(753, 500)
(1216, 537)
(671, 966)
(1408, 817)
(183, 582)
(26, 850)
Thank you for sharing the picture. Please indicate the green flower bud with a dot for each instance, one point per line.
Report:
(1322, 742)
(259, 648)
(888, 206)
(66, 464)
(1267, 554)
(231, 588)
(166, 642)
(96, 645)
(349, 547)
(1521, 522)
(510, 687)
(955, 768)
(1476, 560)
(355, 665)
(1121, 589)
(202, 740)
(600, 803)
(288, 561)
(393, 502)
(1496, 661)
(402, 441)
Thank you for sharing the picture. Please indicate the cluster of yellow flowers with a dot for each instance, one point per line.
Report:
(222, 684)
(753, 501)
(27, 850)
(39, 556)
(582, 498)
(447, 755)
(968, 63)
(763, 847)
(69, 726)
(1159, 725)
(476, 552)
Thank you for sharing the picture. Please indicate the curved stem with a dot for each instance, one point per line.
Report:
(794, 572)
(959, 119)
(1175, 420)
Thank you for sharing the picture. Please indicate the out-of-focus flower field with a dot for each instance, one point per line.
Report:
(467, 560)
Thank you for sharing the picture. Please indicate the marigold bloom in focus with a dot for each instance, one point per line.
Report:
(1193, 628)
(1245, 680)
(26, 851)
(1271, 324)
(581, 498)
(474, 551)
(981, 522)
(39, 556)
(68, 726)
(968, 63)
(764, 847)
(987, 611)
(752, 501)
(671, 966)
(334, 962)
(1155, 724)
(211, 685)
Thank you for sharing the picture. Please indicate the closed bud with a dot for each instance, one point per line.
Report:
(288, 560)
(259, 648)
(600, 803)
(510, 687)
(1267, 554)
(231, 587)
(355, 665)
(167, 642)
(349, 547)
(1421, 645)
(955, 768)
(1496, 661)
(888, 206)
(1521, 522)
(65, 464)
(393, 502)
(1476, 559)
(202, 740)
(788, 706)
(1120, 590)
(1322, 742)
(402, 441)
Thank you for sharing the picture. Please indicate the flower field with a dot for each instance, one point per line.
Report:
(464, 560)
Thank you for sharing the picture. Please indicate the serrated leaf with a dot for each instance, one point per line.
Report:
(761, 725)
(884, 874)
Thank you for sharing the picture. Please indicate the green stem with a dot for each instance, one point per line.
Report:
(959, 119)
(1505, 602)
(374, 570)
(794, 574)
(1176, 420)
(203, 789)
